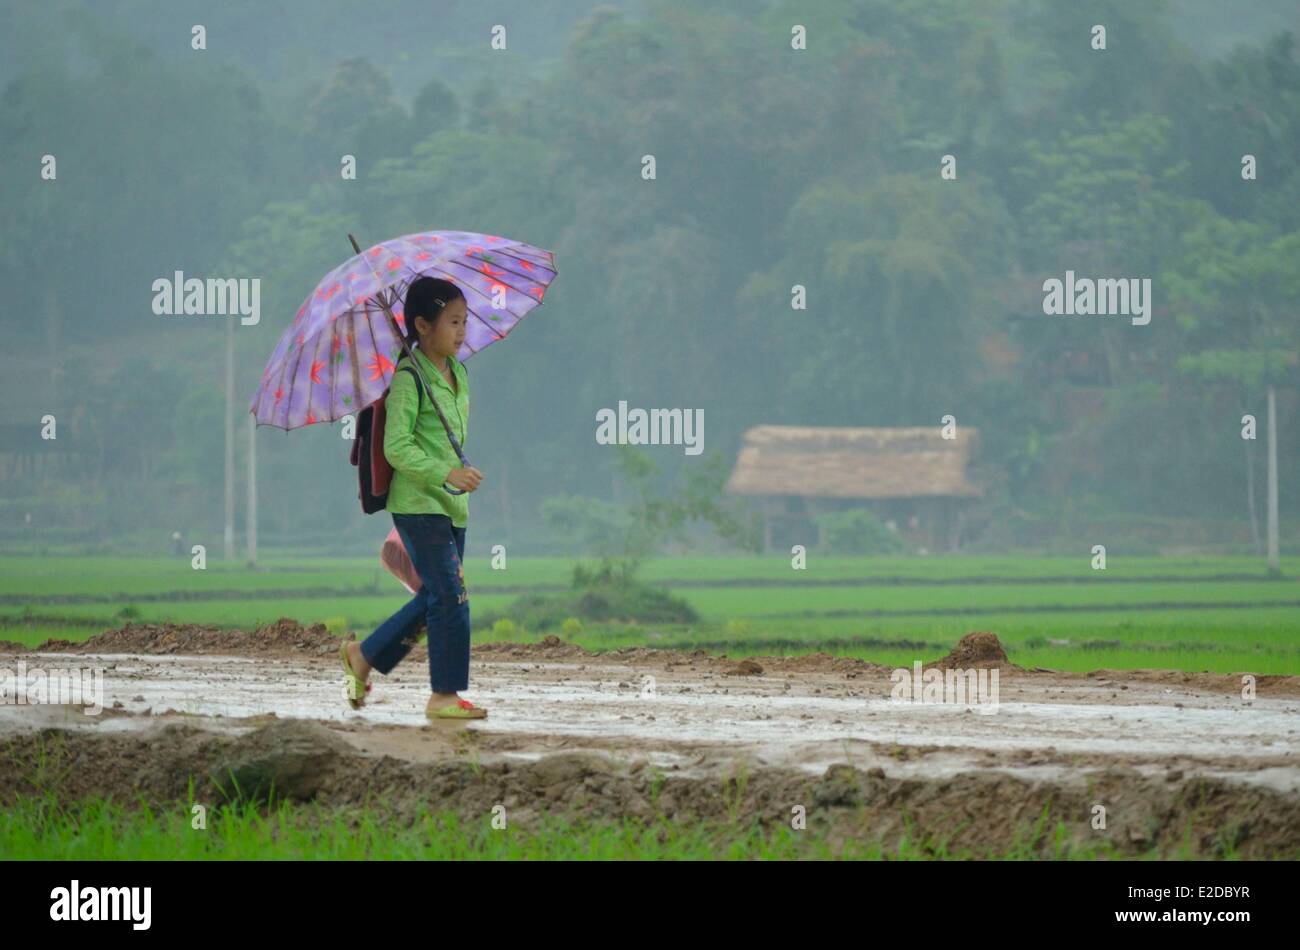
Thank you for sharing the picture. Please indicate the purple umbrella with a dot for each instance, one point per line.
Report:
(339, 354)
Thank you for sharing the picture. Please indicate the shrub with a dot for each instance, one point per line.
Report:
(857, 531)
(601, 602)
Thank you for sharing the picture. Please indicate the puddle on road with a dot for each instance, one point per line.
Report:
(754, 718)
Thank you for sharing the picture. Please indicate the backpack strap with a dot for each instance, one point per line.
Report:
(419, 390)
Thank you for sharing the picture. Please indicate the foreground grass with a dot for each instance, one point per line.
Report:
(33, 828)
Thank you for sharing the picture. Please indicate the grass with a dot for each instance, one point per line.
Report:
(1061, 614)
(123, 576)
(791, 603)
(43, 828)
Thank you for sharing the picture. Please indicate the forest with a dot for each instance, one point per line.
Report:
(920, 169)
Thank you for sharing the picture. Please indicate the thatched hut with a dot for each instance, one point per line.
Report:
(913, 478)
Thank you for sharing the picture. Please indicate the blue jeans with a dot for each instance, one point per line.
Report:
(436, 548)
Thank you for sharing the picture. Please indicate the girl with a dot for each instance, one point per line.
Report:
(430, 520)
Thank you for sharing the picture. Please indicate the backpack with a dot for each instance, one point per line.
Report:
(374, 473)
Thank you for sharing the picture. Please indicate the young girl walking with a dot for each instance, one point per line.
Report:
(430, 520)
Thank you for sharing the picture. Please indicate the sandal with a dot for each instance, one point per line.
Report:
(356, 688)
(461, 709)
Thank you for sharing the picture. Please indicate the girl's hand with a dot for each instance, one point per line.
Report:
(466, 479)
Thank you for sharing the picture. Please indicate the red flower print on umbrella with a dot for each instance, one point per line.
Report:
(379, 365)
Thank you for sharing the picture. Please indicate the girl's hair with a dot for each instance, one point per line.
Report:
(426, 297)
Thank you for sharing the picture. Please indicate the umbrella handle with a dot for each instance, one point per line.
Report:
(463, 461)
(452, 491)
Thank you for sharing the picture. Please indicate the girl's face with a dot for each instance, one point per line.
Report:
(446, 336)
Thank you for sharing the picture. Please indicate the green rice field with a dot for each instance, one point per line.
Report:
(1222, 614)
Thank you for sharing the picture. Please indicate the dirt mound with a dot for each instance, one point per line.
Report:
(283, 636)
(974, 651)
(1266, 684)
(548, 648)
(292, 758)
(819, 662)
(287, 637)
(553, 648)
(1161, 814)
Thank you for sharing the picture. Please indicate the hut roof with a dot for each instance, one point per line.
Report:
(834, 462)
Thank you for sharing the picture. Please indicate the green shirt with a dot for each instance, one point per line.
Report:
(418, 448)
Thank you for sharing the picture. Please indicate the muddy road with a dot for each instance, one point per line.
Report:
(1165, 753)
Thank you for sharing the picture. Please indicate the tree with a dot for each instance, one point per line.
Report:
(1235, 296)
(623, 539)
